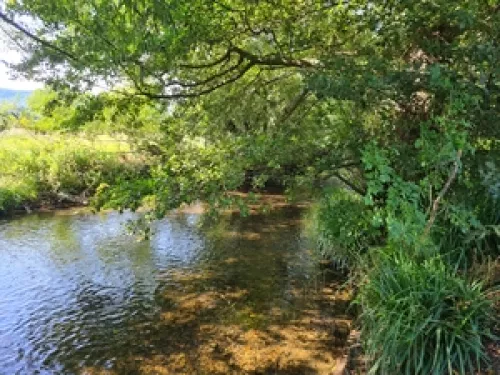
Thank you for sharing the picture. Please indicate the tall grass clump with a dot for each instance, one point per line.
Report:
(421, 318)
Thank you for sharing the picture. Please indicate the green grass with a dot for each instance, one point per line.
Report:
(42, 167)
(421, 318)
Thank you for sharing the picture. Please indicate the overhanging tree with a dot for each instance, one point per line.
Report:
(397, 99)
(392, 72)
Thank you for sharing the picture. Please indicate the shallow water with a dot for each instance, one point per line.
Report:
(80, 296)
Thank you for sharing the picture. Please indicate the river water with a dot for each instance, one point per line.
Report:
(78, 295)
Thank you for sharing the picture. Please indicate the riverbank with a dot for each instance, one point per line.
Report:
(57, 170)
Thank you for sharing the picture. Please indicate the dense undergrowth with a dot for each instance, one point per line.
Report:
(39, 169)
(425, 307)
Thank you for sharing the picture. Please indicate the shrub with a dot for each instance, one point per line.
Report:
(14, 192)
(421, 318)
(36, 168)
(340, 225)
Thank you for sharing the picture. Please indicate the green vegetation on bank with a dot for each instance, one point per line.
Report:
(62, 146)
(46, 169)
(393, 105)
(420, 317)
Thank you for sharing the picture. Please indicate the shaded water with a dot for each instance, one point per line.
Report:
(79, 296)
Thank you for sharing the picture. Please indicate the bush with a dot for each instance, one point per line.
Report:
(422, 318)
(14, 193)
(340, 225)
(36, 168)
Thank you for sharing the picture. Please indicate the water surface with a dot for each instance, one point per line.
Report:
(80, 296)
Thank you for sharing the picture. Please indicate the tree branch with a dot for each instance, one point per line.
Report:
(185, 95)
(349, 184)
(225, 76)
(273, 60)
(292, 107)
(446, 187)
(32, 36)
(207, 80)
(224, 58)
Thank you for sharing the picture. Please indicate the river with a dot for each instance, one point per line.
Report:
(78, 295)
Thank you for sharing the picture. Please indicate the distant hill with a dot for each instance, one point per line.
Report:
(18, 96)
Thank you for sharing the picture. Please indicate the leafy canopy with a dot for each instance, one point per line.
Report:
(397, 101)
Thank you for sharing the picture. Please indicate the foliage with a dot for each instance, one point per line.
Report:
(12, 115)
(38, 168)
(191, 170)
(340, 224)
(398, 101)
(14, 193)
(104, 113)
(421, 318)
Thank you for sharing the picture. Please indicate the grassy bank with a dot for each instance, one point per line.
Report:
(37, 170)
(423, 310)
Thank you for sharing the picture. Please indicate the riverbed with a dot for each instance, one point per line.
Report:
(79, 295)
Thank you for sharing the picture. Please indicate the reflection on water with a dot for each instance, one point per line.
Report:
(79, 296)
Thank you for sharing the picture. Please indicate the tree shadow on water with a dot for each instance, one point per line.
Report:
(244, 311)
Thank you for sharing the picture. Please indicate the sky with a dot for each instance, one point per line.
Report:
(7, 53)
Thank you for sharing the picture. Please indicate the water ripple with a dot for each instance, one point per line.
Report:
(76, 291)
